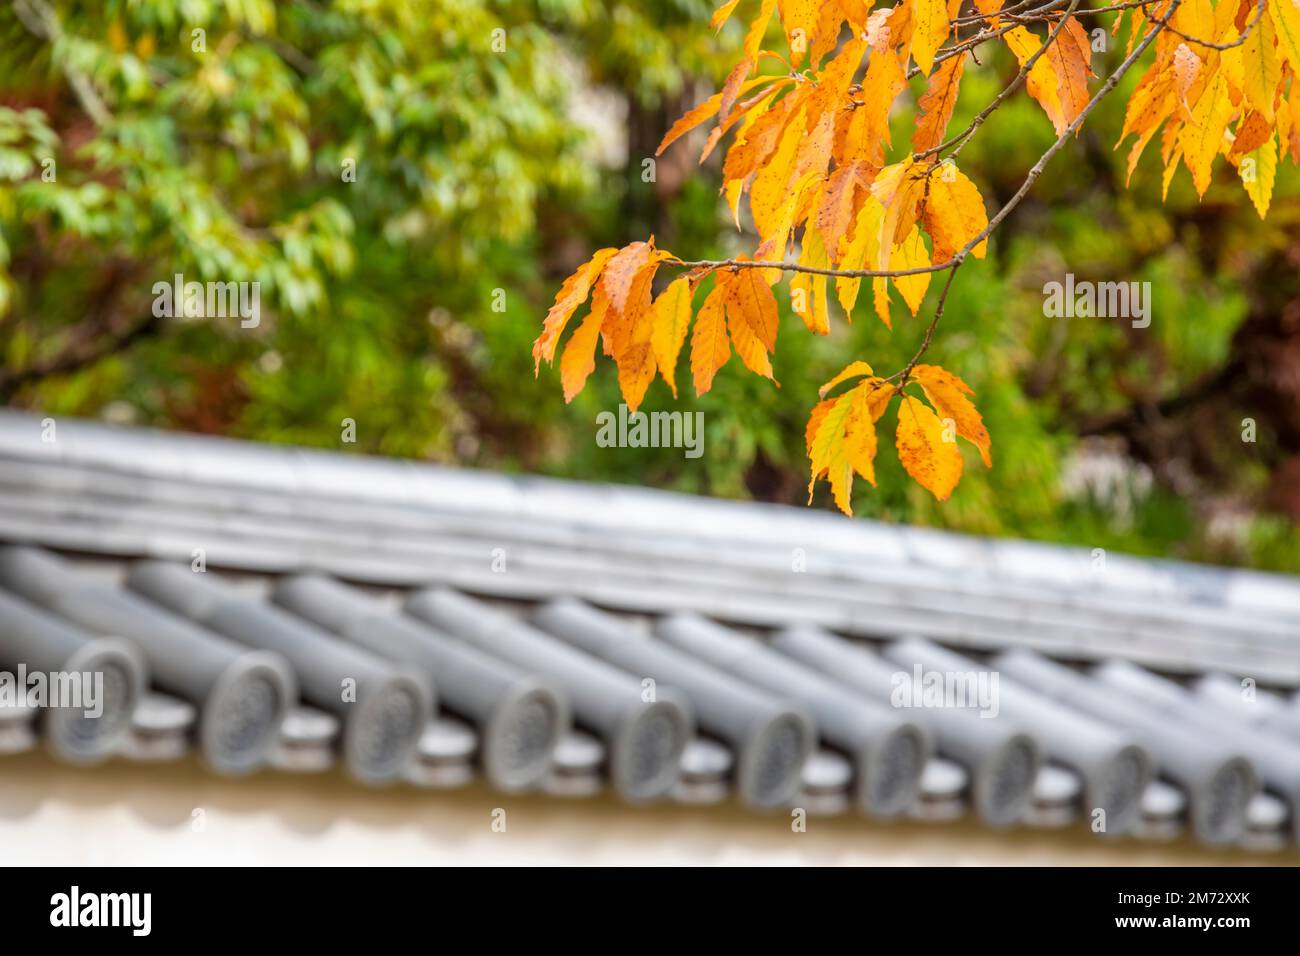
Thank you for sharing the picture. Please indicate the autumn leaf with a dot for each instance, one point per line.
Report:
(722, 14)
(841, 433)
(861, 248)
(579, 358)
(706, 110)
(672, 317)
(807, 289)
(950, 397)
(855, 369)
(933, 462)
(1202, 139)
(571, 295)
(809, 151)
(932, 29)
(1042, 82)
(1258, 170)
(937, 104)
(800, 20)
(1285, 17)
(751, 319)
(911, 254)
(953, 214)
(1069, 57)
(710, 347)
(753, 38)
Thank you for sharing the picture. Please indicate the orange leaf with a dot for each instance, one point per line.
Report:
(838, 205)
(1042, 81)
(571, 295)
(948, 394)
(579, 358)
(752, 319)
(935, 464)
(710, 348)
(1069, 57)
(954, 213)
(709, 108)
(937, 104)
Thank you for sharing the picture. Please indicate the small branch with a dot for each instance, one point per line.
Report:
(1011, 88)
(1245, 34)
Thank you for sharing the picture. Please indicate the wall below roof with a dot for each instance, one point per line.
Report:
(134, 814)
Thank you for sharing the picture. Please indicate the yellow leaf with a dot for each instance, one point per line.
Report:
(935, 464)
(800, 20)
(898, 189)
(868, 134)
(710, 348)
(808, 290)
(672, 317)
(954, 213)
(949, 395)
(861, 248)
(828, 439)
(1041, 82)
(1069, 58)
(571, 295)
(860, 434)
(912, 254)
(579, 358)
(1258, 170)
(753, 39)
(841, 437)
(773, 247)
(852, 370)
(722, 14)
(1201, 143)
(1262, 70)
(1285, 15)
(771, 184)
(931, 17)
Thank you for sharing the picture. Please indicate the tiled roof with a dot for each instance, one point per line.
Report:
(431, 624)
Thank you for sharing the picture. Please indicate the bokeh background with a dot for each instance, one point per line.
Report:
(496, 145)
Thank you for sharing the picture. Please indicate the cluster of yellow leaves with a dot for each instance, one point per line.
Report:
(841, 432)
(809, 151)
(644, 334)
(1210, 92)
